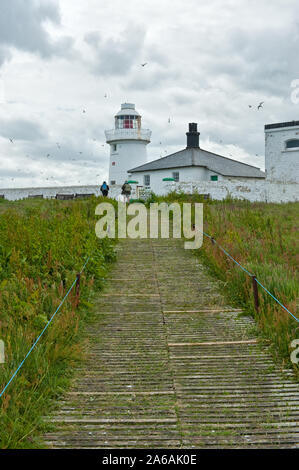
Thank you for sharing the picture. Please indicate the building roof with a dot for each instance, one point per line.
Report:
(128, 109)
(282, 124)
(198, 157)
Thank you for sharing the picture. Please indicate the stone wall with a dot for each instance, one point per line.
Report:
(13, 194)
(250, 190)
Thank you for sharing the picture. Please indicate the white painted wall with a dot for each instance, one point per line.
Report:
(14, 194)
(187, 175)
(130, 151)
(128, 154)
(250, 190)
(281, 165)
(259, 190)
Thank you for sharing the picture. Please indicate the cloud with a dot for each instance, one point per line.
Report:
(21, 129)
(116, 56)
(22, 26)
(5, 55)
(206, 64)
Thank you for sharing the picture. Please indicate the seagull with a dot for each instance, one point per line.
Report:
(143, 65)
(260, 105)
(11, 141)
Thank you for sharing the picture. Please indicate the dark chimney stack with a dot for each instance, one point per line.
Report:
(192, 136)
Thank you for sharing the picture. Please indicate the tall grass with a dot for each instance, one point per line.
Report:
(43, 244)
(264, 239)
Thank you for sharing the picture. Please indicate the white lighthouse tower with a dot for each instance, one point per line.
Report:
(127, 142)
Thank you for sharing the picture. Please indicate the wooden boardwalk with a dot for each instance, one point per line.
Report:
(171, 365)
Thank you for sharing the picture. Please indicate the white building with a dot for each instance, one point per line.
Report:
(193, 164)
(282, 152)
(127, 142)
(195, 169)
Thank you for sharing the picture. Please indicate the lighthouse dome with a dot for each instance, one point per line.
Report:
(127, 117)
(128, 109)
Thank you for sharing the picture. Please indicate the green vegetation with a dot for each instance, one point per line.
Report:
(43, 244)
(264, 239)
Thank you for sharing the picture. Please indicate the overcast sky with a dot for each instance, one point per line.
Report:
(207, 62)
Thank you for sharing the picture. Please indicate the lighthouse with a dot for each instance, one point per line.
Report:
(127, 142)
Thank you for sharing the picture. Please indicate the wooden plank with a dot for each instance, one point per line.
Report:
(222, 310)
(215, 343)
(129, 392)
(130, 295)
(108, 421)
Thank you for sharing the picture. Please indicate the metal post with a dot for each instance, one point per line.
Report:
(255, 293)
(78, 277)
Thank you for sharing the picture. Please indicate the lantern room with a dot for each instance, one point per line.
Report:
(127, 117)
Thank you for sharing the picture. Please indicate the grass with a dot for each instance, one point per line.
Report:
(43, 244)
(263, 238)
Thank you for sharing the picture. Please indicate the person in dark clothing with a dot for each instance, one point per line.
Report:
(104, 189)
(126, 190)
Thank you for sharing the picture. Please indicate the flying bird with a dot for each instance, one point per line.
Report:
(260, 105)
(11, 141)
(143, 65)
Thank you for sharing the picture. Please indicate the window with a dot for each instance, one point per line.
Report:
(293, 143)
(147, 180)
(127, 122)
(214, 177)
(113, 163)
(176, 176)
(114, 147)
(112, 182)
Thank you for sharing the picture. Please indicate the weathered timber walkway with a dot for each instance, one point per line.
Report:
(171, 365)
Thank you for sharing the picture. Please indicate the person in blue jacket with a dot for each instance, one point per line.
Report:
(104, 189)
